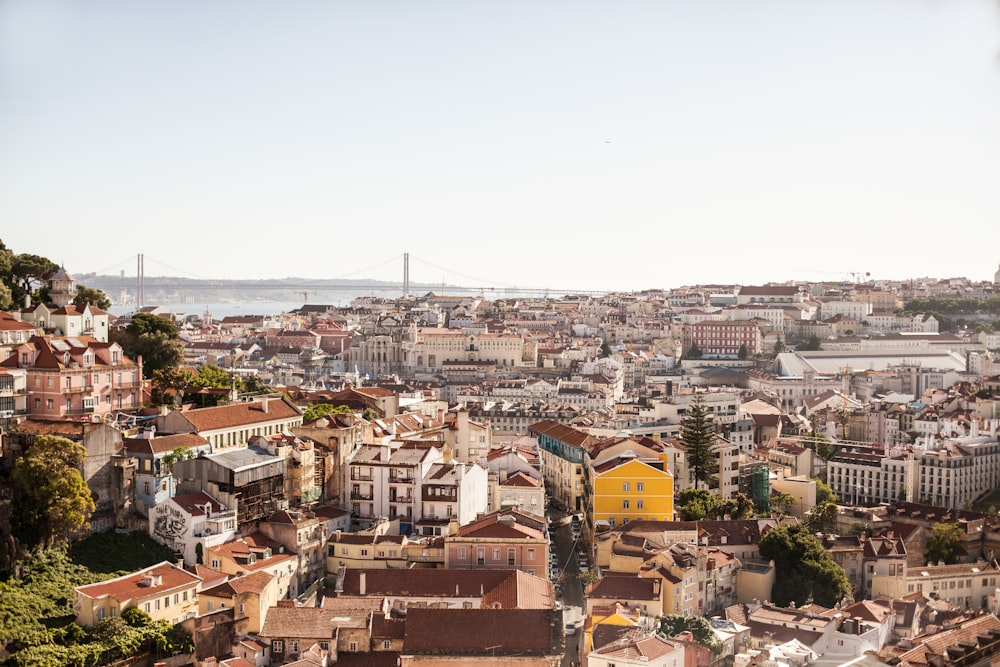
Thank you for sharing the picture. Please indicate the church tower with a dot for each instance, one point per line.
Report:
(996, 277)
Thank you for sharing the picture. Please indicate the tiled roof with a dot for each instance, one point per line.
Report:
(166, 577)
(632, 648)
(255, 582)
(309, 622)
(387, 628)
(521, 632)
(238, 414)
(164, 443)
(520, 478)
(624, 588)
(194, 503)
(508, 588)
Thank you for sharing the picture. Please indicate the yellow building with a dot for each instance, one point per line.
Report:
(626, 489)
(165, 591)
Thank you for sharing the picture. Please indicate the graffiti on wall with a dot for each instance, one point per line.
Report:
(170, 526)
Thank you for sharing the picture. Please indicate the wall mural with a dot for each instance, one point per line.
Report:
(170, 526)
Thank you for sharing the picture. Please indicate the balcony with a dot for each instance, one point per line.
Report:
(401, 479)
(358, 477)
(362, 495)
(80, 411)
(401, 499)
(79, 389)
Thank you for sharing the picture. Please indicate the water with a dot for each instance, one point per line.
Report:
(218, 310)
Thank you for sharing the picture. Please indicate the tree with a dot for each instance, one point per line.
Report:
(169, 384)
(698, 504)
(95, 297)
(824, 492)
(152, 337)
(605, 349)
(823, 518)
(181, 453)
(58, 503)
(779, 346)
(811, 344)
(672, 625)
(28, 273)
(942, 545)
(587, 577)
(803, 569)
(694, 352)
(743, 352)
(697, 432)
(317, 410)
(783, 502)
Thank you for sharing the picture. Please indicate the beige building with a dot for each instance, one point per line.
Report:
(250, 596)
(164, 591)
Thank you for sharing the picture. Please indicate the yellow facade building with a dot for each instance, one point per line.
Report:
(625, 489)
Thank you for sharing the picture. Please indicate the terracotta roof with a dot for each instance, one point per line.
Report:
(238, 414)
(624, 588)
(508, 588)
(520, 478)
(522, 632)
(630, 647)
(165, 577)
(194, 503)
(163, 443)
(310, 622)
(255, 582)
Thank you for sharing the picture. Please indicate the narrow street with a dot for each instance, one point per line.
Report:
(572, 589)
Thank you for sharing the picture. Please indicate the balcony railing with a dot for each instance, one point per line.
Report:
(360, 477)
(358, 495)
(79, 389)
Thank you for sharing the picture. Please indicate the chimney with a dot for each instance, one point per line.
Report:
(361, 583)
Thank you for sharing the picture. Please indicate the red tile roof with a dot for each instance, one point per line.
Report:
(153, 581)
(501, 632)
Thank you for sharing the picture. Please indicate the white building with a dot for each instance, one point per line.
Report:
(187, 521)
(451, 492)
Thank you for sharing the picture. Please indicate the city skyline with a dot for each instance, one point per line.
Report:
(584, 145)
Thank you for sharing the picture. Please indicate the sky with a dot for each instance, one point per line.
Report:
(569, 145)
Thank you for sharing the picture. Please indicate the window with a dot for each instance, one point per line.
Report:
(386, 644)
(640, 504)
(531, 554)
(277, 646)
(640, 486)
(480, 556)
(625, 504)
(510, 556)
(148, 609)
(625, 487)
(293, 645)
(352, 646)
(496, 553)
(461, 553)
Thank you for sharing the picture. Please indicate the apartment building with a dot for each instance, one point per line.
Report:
(451, 493)
(724, 338)
(964, 585)
(501, 540)
(76, 377)
(562, 450)
(164, 591)
(232, 426)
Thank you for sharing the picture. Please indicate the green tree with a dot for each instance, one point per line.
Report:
(586, 577)
(803, 568)
(181, 453)
(823, 518)
(942, 545)
(317, 410)
(824, 492)
(783, 502)
(779, 346)
(154, 338)
(169, 384)
(811, 344)
(698, 434)
(694, 352)
(605, 349)
(698, 504)
(743, 352)
(28, 273)
(672, 625)
(58, 504)
(211, 375)
(95, 297)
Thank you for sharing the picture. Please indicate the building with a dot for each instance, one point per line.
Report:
(626, 489)
(232, 426)
(452, 494)
(164, 591)
(502, 540)
(562, 449)
(154, 479)
(257, 553)
(78, 378)
(248, 478)
(387, 482)
(250, 597)
(191, 524)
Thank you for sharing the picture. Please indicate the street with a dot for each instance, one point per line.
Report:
(572, 589)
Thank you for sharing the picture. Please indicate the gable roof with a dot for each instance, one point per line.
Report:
(239, 414)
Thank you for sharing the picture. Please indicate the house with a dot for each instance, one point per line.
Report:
(633, 592)
(62, 317)
(624, 489)
(251, 479)
(78, 378)
(154, 480)
(231, 426)
(251, 596)
(290, 631)
(502, 540)
(304, 534)
(257, 553)
(192, 523)
(562, 449)
(164, 591)
(451, 493)
(638, 648)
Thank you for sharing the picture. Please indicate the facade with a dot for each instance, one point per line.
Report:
(726, 339)
(191, 524)
(257, 553)
(232, 426)
(303, 534)
(501, 540)
(562, 449)
(627, 489)
(250, 597)
(154, 480)
(451, 493)
(386, 482)
(76, 378)
(164, 591)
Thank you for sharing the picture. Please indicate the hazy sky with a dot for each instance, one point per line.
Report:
(619, 144)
